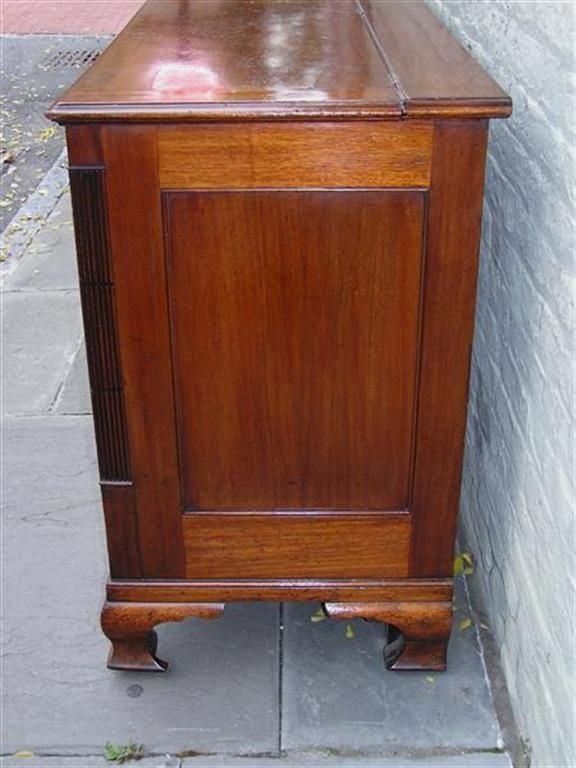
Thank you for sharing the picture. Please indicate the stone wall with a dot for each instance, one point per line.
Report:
(518, 487)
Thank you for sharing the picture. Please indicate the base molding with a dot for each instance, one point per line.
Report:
(281, 590)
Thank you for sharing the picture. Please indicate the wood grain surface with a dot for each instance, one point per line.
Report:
(230, 590)
(129, 627)
(436, 76)
(295, 320)
(134, 210)
(296, 546)
(454, 218)
(418, 633)
(215, 58)
(325, 155)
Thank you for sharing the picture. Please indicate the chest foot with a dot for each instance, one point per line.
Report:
(418, 633)
(129, 627)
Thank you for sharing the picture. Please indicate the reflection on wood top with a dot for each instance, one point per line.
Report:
(282, 59)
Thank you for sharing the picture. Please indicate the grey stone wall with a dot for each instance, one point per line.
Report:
(518, 488)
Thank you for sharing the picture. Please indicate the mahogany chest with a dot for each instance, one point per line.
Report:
(277, 207)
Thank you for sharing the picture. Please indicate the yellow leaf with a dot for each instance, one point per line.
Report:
(23, 753)
(468, 564)
(350, 634)
(47, 133)
(465, 624)
(464, 563)
(430, 679)
(319, 615)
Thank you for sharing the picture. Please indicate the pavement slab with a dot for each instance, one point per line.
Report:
(49, 262)
(42, 323)
(337, 694)
(222, 692)
(42, 331)
(74, 397)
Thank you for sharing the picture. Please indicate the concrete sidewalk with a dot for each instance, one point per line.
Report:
(33, 71)
(263, 686)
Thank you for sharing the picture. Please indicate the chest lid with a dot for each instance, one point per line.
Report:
(282, 59)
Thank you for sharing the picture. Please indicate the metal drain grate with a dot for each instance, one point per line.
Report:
(70, 59)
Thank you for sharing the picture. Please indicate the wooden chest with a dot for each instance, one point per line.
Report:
(277, 207)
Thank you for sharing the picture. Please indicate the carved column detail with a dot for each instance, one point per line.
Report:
(98, 308)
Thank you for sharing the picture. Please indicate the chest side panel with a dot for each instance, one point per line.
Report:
(294, 318)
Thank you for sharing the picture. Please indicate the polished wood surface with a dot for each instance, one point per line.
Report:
(212, 58)
(436, 76)
(296, 59)
(136, 241)
(327, 155)
(121, 516)
(294, 336)
(453, 240)
(84, 145)
(303, 546)
(295, 590)
(129, 627)
(420, 631)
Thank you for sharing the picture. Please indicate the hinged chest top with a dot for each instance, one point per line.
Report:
(308, 59)
(277, 209)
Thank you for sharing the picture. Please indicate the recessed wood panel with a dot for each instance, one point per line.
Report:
(296, 546)
(295, 319)
(324, 155)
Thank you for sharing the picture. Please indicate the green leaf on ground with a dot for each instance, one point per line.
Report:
(465, 624)
(349, 633)
(121, 753)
